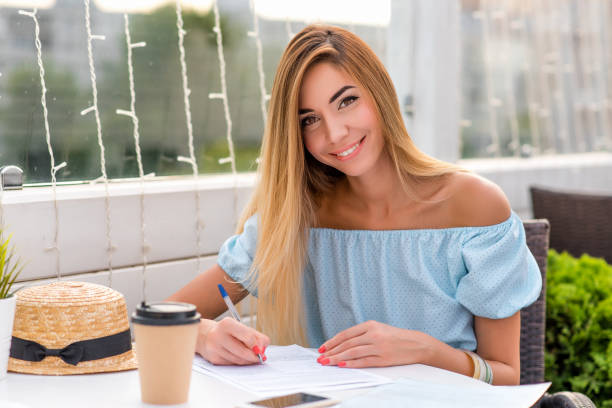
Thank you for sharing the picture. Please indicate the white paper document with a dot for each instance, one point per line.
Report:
(289, 369)
(405, 392)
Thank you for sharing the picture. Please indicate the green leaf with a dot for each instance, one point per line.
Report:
(10, 266)
(579, 326)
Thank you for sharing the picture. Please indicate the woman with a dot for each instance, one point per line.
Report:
(358, 243)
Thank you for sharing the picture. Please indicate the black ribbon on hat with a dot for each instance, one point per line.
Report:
(76, 352)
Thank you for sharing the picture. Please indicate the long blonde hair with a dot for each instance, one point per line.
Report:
(290, 180)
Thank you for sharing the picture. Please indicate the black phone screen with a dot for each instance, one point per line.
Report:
(286, 401)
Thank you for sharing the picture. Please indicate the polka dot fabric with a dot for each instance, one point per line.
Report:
(431, 280)
(237, 253)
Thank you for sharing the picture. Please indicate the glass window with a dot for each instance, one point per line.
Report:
(158, 84)
(535, 77)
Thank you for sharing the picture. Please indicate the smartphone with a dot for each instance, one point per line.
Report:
(297, 400)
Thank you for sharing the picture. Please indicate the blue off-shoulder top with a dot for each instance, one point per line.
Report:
(431, 280)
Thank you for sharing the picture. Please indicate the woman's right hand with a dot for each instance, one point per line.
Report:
(229, 342)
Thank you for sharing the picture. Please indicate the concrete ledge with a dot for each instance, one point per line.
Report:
(577, 172)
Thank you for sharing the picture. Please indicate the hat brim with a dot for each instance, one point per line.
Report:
(56, 366)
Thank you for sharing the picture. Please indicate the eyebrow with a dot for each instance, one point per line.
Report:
(333, 98)
(337, 94)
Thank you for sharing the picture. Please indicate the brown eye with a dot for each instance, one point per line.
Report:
(347, 101)
(308, 120)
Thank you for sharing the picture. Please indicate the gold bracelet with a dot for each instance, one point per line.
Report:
(482, 369)
(475, 362)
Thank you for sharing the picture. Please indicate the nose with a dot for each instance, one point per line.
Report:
(336, 130)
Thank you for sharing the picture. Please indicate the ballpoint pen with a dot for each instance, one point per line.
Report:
(232, 309)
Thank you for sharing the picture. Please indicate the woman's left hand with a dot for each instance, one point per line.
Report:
(374, 344)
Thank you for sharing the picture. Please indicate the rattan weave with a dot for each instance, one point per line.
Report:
(533, 317)
(533, 326)
(580, 223)
(61, 313)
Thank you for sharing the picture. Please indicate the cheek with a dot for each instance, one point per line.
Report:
(369, 120)
(311, 145)
(363, 117)
(369, 117)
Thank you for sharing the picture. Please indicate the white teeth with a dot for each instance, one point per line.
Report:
(348, 151)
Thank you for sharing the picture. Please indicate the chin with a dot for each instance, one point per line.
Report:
(353, 171)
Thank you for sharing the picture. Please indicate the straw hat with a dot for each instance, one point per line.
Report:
(71, 328)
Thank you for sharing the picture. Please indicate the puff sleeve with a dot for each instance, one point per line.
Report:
(502, 275)
(237, 253)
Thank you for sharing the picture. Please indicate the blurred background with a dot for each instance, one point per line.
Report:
(475, 79)
(157, 77)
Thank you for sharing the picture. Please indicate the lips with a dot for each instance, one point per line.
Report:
(348, 147)
(349, 151)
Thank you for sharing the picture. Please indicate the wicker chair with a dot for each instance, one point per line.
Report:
(533, 317)
(533, 327)
(580, 223)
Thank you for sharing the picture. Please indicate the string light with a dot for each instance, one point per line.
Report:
(576, 109)
(543, 86)
(54, 168)
(463, 123)
(520, 25)
(223, 96)
(260, 70)
(492, 102)
(192, 159)
(587, 67)
(132, 114)
(264, 96)
(598, 85)
(560, 97)
(94, 108)
(515, 144)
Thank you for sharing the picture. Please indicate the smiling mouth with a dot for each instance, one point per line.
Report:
(350, 149)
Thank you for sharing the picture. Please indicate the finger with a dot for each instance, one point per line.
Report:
(343, 336)
(361, 340)
(251, 338)
(239, 353)
(263, 342)
(350, 354)
(215, 355)
(236, 360)
(219, 360)
(370, 361)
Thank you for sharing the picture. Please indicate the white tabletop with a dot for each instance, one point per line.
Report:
(122, 389)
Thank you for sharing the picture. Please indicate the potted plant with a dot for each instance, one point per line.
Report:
(10, 267)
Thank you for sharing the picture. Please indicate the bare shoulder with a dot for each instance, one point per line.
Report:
(476, 201)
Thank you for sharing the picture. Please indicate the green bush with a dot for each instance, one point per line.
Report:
(579, 326)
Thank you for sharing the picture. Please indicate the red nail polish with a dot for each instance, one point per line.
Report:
(325, 361)
(322, 349)
(342, 364)
(255, 349)
(264, 358)
(319, 359)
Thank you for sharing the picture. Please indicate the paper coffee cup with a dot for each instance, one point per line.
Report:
(166, 335)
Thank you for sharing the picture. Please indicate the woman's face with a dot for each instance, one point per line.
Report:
(338, 119)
